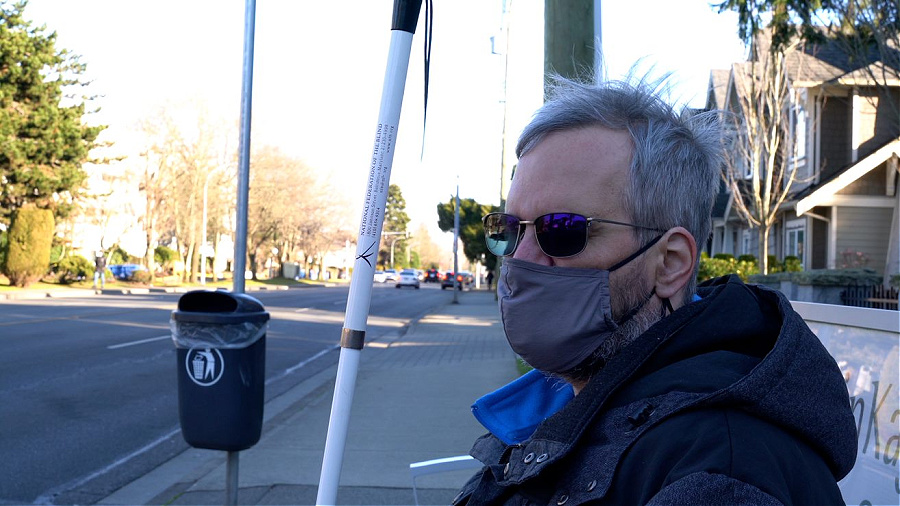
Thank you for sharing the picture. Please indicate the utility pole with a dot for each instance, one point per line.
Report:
(572, 38)
(505, 170)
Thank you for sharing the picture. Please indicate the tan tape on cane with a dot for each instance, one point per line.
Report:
(353, 339)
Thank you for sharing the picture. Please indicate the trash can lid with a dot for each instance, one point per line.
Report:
(207, 306)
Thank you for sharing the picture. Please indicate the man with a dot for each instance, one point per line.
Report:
(716, 395)
(99, 269)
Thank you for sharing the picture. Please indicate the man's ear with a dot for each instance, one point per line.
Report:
(676, 264)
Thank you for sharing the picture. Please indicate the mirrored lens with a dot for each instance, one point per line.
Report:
(561, 234)
(501, 233)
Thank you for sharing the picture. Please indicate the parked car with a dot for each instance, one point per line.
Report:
(465, 279)
(408, 277)
(390, 275)
(432, 276)
(379, 277)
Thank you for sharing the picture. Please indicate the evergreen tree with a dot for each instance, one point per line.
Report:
(395, 222)
(471, 230)
(43, 143)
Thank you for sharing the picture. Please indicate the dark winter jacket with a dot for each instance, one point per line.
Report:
(729, 400)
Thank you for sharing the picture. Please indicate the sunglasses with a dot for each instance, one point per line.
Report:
(559, 235)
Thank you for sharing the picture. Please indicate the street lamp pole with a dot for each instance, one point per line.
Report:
(203, 240)
(394, 240)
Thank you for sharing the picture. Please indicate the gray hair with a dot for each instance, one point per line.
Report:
(677, 157)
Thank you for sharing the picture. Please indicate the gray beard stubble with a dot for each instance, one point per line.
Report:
(625, 334)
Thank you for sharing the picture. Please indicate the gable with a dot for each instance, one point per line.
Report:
(817, 194)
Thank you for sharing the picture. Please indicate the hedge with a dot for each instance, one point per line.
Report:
(30, 239)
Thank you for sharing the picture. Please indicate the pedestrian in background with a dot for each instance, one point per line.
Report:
(99, 269)
(646, 388)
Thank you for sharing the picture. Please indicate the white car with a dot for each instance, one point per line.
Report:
(408, 278)
(390, 275)
(379, 277)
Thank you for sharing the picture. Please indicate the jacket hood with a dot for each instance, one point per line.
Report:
(785, 374)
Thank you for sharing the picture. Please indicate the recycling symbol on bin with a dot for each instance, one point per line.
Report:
(204, 365)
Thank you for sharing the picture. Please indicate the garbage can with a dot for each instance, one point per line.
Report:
(220, 339)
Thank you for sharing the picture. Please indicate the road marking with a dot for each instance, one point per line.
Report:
(134, 343)
(302, 309)
(48, 496)
(303, 363)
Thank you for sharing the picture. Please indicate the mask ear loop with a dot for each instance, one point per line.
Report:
(667, 306)
(636, 253)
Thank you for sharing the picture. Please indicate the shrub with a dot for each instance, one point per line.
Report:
(73, 268)
(713, 268)
(747, 258)
(4, 242)
(745, 269)
(837, 277)
(792, 264)
(28, 251)
(56, 252)
(774, 265)
(723, 264)
(164, 256)
(140, 277)
(117, 256)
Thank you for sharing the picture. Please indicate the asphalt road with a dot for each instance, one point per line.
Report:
(88, 386)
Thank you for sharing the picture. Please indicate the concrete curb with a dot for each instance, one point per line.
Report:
(30, 294)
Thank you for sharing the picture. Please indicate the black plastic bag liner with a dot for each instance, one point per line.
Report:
(218, 319)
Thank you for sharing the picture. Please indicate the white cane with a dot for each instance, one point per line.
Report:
(403, 26)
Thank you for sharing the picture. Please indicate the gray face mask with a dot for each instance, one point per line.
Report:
(555, 317)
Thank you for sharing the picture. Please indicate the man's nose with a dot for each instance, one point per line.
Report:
(530, 251)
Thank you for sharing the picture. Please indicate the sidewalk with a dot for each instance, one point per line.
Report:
(411, 403)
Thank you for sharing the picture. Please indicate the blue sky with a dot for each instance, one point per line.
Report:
(319, 68)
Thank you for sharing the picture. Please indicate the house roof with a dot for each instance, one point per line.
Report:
(718, 88)
(813, 64)
(816, 194)
(720, 205)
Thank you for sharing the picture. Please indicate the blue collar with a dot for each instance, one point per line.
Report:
(513, 412)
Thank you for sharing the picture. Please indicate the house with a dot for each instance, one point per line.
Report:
(843, 210)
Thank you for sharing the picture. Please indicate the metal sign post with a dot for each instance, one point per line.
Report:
(243, 186)
(243, 190)
(456, 281)
(406, 15)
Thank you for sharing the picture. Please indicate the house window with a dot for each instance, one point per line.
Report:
(799, 134)
(745, 243)
(795, 239)
(798, 119)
